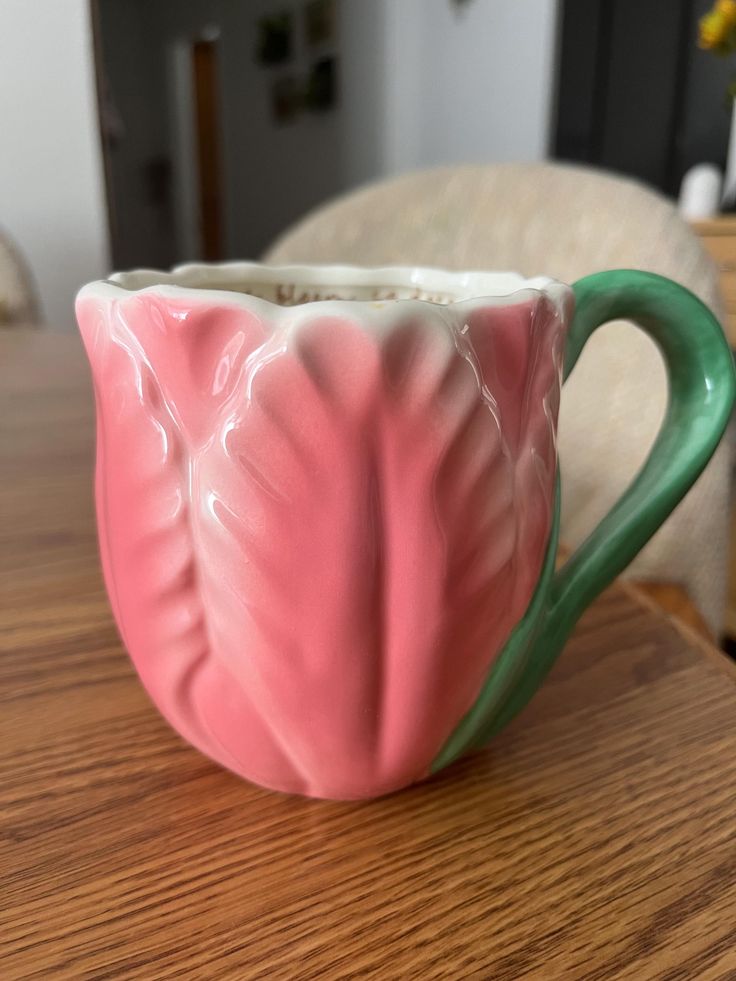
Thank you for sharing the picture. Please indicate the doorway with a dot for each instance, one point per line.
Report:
(222, 123)
(160, 123)
(207, 133)
(194, 118)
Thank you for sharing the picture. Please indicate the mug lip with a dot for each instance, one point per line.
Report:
(205, 282)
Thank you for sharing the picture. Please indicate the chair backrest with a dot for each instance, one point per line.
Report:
(18, 299)
(565, 222)
(555, 219)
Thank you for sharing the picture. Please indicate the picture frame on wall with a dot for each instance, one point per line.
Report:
(320, 22)
(275, 38)
(287, 99)
(321, 90)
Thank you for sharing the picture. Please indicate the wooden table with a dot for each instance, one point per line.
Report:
(594, 839)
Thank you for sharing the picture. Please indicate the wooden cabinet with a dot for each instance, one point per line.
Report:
(719, 238)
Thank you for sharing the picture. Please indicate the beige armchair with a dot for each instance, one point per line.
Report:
(565, 222)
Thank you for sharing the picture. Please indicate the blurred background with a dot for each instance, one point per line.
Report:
(549, 136)
(148, 132)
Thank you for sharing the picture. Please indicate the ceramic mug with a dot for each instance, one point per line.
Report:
(328, 503)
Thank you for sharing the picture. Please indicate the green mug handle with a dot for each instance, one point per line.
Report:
(702, 386)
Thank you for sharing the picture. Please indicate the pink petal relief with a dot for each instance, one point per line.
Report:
(316, 534)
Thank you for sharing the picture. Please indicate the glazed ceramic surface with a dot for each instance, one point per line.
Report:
(327, 501)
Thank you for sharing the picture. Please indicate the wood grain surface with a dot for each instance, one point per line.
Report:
(594, 839)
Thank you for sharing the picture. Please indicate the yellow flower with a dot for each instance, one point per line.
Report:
(717, 25)
(712, 31)
(727, 10)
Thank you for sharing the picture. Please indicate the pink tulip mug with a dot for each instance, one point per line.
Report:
(328, 503)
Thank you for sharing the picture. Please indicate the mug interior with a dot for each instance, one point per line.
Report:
(288, 286)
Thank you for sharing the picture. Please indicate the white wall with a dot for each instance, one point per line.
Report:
(467, 83)
(51, 185)
(364, 92)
